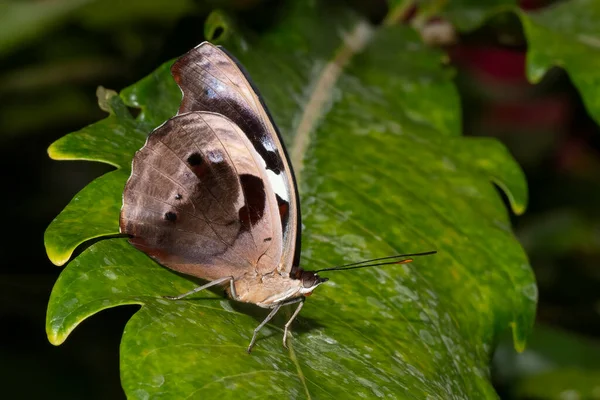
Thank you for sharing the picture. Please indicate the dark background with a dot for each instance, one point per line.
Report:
(48, 81)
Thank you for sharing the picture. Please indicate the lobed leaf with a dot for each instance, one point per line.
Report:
(76, 224)
(371, 120)
(567, 35)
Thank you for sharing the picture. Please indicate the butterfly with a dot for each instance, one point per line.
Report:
(212, 193)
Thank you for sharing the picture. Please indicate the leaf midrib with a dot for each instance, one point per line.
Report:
(353, 43)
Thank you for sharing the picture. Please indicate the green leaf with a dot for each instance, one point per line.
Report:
(567, 35)
(372, 123)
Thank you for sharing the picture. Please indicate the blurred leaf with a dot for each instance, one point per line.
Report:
(548, 349)
(373, 127)
(559, 232)
(63, 104)
(25, 20)
(561, 384)
(79, 70)
(21, 21)
(556, 365)
(105, 14)
(466, 15)
(567, 35)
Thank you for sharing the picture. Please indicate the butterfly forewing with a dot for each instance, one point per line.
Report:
(199, 200)
(211, 80)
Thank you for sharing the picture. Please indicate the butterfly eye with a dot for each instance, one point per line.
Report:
(310, 279)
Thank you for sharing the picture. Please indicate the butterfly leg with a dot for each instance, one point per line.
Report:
(232, 292)
(259, 327)
(294, 315)
(199, 288)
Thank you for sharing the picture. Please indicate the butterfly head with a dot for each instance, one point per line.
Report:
(309, 279)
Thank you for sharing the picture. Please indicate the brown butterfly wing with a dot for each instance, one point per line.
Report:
(211, 80)
(199, 201)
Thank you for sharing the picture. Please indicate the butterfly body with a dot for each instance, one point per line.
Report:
(267, 290)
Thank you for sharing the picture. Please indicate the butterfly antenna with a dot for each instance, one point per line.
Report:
(373, 263)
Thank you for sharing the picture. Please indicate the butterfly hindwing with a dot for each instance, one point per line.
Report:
(199, 200)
